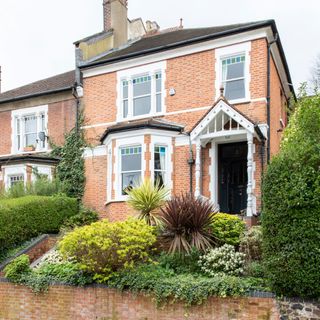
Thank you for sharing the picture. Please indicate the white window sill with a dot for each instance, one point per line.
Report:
(239, 101)
(115, 201)
(145, 116)
(28, 152)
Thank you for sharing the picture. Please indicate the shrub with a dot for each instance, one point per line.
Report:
(103, 247)
(255, 269)
(147, 199)
(166, 286)
(24, 218)
(187, 263)
(84, 217)
(186, 222)
(17, 269)
(223, 260)
(227, 228)
(251, 244)
(291, 212)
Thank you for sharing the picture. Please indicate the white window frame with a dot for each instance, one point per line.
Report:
(231, 51)
(20, 114)
(14, 170)
(43, 170)
(123, 143)
(128, 75)
(162, 141)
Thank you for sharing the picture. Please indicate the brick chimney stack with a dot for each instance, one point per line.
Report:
(115, 17)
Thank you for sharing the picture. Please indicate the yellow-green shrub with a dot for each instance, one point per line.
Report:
(227, 228)
(104, 247)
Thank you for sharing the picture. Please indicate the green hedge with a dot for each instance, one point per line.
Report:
(24, 218)
(291, 213)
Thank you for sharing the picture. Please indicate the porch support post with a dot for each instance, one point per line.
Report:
(249, 171)
(198, 168)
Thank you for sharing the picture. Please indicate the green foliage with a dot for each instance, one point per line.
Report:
(166, 286)
(70, 170)
(104, 248)
(227, 228)
(24, 218)
(147, 198)
(187, 263)
(291, 212)
(84, 217)
(251, 244)
(223, 260)
(255, 269)
(18, 269)
(186, 222)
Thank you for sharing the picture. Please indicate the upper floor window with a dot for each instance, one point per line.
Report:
(233, 77)
(141, 91)
(27, 125)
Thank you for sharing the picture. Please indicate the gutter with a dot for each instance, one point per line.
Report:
(34, 95)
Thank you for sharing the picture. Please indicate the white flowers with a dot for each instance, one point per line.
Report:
(223, 260)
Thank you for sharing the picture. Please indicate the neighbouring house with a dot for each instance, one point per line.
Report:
(154, 107)
(201, 109)
(31, 117)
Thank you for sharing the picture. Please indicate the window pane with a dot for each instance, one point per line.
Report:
(141, 106)
(235, 70)
(30, 124)
(130, 180)
(158, 85)
(141, 86)
(159, 103)
(131, 159)
(234, 89)
(31, 139)
(160, 158)
(125, 91)
(125, 108)
(14, 180)
(159, 176)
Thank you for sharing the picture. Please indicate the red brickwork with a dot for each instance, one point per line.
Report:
(5, 132)
(66, 302)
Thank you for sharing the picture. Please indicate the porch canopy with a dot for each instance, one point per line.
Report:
(223, 121)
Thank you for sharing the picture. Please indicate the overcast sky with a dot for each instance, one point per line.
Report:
(36, 36)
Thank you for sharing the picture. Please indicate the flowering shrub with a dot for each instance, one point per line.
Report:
(223, 260)
(52, 257)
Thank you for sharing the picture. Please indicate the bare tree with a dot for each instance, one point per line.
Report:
(315, 75)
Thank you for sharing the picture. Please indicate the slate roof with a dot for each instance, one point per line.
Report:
(152, 123)
(29, 157)
(57, 83)
(167, 40)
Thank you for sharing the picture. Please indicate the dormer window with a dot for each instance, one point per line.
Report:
(141, 93)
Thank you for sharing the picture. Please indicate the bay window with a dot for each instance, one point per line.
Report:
(131, 166)
(15, 180)
(160, 154)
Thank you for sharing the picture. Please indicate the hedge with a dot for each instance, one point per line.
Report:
(24, 218)
(291, 212)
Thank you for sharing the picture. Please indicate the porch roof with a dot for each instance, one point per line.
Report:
(30, 158)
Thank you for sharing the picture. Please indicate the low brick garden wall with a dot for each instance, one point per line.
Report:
(98, 302)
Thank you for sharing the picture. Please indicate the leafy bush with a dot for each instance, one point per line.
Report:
(187, 263)
(17, 269)
(24, 218)
(166, 286)
(251, 244)
(84, 217)
(291, 212)
(223, 260)
(255, 269)
(104, 248)
(147, 199)
(227, 228)
(186, 222)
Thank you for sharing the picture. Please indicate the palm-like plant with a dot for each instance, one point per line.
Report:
(147, 198)
(186, 222)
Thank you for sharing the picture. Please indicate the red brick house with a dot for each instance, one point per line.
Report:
(153, 108)
(29, 117)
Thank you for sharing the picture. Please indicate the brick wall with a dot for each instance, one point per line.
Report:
(66, 302)
(5, 132)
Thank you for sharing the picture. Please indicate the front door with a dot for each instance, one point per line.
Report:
(233, 178)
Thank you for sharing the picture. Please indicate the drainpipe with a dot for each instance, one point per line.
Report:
(268, 92)
(190, 163)
(76, 96)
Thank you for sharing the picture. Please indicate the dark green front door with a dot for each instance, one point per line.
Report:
(233, 178)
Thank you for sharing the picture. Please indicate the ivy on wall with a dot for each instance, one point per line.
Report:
(70, 170)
